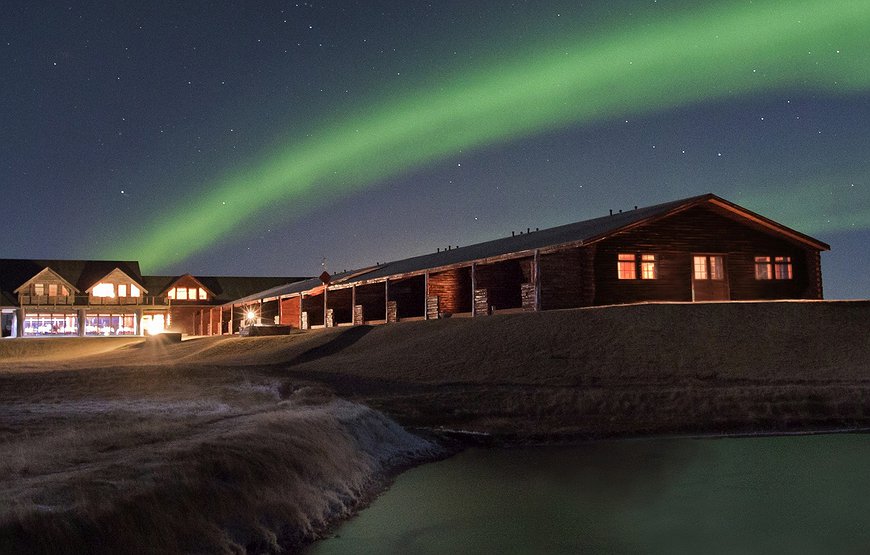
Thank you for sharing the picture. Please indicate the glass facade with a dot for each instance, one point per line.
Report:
(51, 324)
(110, 324)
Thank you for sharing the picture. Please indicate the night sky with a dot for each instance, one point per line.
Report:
(257, 138)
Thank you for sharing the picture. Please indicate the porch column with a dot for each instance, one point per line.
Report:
(19, 322)
(82, 320)
(426, 295)
(387, 300)
(137, 322)
(537, 279)
(473, 288)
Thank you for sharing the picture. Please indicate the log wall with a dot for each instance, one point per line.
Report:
(371, 298)
(701, 230)
(341, 303)
(568, 278)
(453, 289)
(410, 296)
(313, 305)
(290, 311)
(503, 281)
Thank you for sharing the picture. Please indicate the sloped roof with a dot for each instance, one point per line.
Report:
(81, 273)
(585, 232)
(225, 288)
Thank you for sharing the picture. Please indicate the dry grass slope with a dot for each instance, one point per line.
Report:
(230, 444)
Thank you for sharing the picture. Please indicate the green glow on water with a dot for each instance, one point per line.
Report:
(799, 494)
(729, 50)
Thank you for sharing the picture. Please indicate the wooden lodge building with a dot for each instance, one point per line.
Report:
(102, 297)
(701, 248)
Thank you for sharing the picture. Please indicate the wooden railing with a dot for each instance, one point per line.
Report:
(82, 300)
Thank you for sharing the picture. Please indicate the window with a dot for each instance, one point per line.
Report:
(181, 293)
(52, 290)
(782, 267)
(134, 291)
(648, 266)
(773, 267)
(763, 268)
(708, 267)
(203, 296)
(626, 266)
(104, 290)
(39, 289)
(122, 289)
(191, 293)
(631, 265)
(171, 293)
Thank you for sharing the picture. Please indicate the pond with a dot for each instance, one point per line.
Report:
(785, 494)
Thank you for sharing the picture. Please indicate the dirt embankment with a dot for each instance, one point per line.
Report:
(129, 438)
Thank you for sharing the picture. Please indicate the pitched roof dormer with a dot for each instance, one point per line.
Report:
(116, 276)
(49, 276)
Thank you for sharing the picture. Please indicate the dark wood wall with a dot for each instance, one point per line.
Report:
(341, 303)
(567, 278)
(453, 289)
(291, 309)
(410, 296)
(700, 230)
(372, 298)
(503, 282)
(313, 305)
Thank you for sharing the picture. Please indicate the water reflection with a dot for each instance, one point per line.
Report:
(807, 494)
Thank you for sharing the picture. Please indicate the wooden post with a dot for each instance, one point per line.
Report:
(325, 290)
(473, 288)
(301, 299)
(387, 300)
(426, 295)
(353, 305)
(210, 322)
(536, 271)
(280, 312)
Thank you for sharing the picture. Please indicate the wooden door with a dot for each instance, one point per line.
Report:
(709, 278)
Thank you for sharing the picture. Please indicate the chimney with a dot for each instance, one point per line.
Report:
(439, 249)
(620, 211)
(513, 234)
(635, 207)
(611, 211)
(528, 230)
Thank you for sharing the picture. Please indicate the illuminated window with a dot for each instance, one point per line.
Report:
(773, 267)
(191, 293)
(39, 289)
(708, 267)
(171, 293)
(181, 294)
(52, 289)
(104, 290)
(122, 289)
(134, 291)
(782, 267)
(763, 267)
(626, 266)
(203, 296)
(632, 265)
(700, 266)
(648, 266)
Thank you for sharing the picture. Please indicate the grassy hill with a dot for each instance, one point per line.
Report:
(271, 437)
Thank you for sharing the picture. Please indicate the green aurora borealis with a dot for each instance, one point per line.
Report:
(730, 50)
